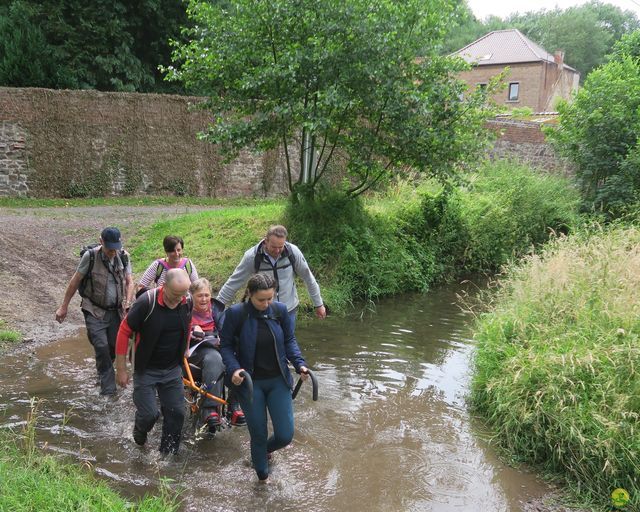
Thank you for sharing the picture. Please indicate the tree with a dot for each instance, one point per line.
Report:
(332, 81)
(599, 133)
(26, 59)
(109, 45)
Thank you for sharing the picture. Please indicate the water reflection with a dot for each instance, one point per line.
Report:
(390, 431)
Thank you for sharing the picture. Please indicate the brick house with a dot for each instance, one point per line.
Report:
(536, 78)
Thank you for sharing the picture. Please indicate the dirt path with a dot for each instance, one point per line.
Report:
(39, 253)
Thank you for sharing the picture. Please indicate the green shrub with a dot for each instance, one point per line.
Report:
(556, 368)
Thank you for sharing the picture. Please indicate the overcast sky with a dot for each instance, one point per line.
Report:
(503, 8)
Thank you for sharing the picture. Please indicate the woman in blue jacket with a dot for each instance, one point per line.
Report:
(257, 336)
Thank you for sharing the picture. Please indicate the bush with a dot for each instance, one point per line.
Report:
(556, 368)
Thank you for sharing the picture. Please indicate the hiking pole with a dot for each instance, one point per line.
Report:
(314, 383)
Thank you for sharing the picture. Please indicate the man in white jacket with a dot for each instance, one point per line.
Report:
(284, 261)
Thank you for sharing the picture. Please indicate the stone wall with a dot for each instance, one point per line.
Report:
(524, 141)
(14, 168)
(90, 143)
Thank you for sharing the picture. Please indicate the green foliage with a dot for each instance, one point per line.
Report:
(430, 234)
(599, 133)
(337, 83)
(586, 33)
(509, 209)
(25, 57)
(557, 361)
(109, 45)
(628, 46)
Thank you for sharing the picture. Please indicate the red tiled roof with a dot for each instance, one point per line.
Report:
(503, 47)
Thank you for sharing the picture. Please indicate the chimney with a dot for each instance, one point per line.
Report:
(558, 57)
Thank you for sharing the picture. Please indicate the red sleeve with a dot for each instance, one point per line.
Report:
(122, 341)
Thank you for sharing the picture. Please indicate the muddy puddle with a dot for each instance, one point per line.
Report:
(391, 430)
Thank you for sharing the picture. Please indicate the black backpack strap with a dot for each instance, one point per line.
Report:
(289, 254)
(257, 258)
(159, 269)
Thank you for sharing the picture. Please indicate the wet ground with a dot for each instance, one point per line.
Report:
(391, 430)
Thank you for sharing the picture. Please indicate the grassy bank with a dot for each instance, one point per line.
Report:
(406, 239)
(558, 362)
(33, 481)
(214, 239)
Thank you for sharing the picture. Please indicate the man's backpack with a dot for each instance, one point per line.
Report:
(257, 259)
(82, 289)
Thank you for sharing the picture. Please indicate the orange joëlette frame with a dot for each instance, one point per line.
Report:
(190, 383)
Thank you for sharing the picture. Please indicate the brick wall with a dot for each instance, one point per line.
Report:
(524, 141)
(75, 143)
(540, 84)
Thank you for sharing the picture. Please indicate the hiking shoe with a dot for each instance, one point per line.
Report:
(139, 436)
(236, 416)
(213, 422)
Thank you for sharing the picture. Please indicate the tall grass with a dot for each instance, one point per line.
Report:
(558, 361)
(33, 481)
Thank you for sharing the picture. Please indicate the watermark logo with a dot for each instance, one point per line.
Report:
(619, 498)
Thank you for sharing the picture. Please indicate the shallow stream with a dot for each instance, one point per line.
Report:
(391, 430)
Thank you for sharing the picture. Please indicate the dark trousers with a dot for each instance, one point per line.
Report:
(102, 335)
(209, 360)
(273, 395)
(168, 386)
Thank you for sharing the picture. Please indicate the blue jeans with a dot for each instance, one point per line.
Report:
(273, 394)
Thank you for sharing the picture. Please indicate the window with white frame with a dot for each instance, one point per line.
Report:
(514, 91)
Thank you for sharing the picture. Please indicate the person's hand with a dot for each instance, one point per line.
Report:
(122, 377)
(61, 313)
(198, 329)
(321, 312)
(236, 378)
(304, 373)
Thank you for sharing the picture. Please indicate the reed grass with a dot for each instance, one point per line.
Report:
(557, 368)
(31, 480)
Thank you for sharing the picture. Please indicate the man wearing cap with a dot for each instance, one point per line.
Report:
(105, 272)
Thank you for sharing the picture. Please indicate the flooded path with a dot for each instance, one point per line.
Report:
(390, 431)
